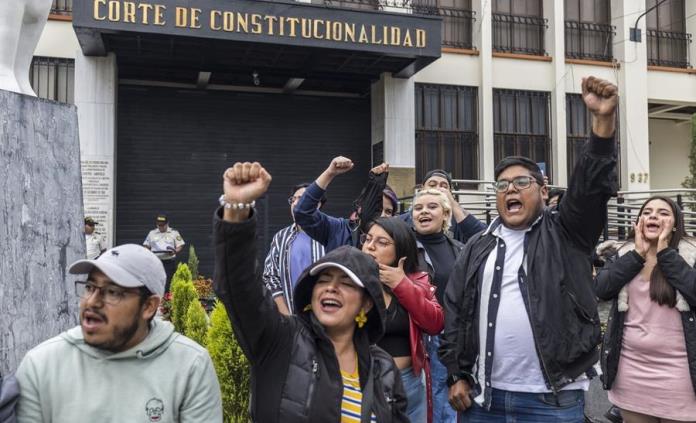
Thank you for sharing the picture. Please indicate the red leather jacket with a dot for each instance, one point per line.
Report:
(416, 294)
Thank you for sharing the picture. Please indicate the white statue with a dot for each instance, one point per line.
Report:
(21, 24)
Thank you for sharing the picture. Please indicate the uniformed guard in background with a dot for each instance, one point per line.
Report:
(94, 242)
(166, 243)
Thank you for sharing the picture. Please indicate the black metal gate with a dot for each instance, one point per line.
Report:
(174, 144)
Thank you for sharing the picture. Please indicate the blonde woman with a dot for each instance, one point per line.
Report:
(432, 214)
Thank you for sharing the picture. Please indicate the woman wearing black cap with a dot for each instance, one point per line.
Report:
(318, 365)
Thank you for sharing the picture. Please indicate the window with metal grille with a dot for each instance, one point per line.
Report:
(519, 27)
(53, 78)
(457, 20)
(521, 123)
(578, 128)
(62, 7)
(588, 33)
(667, 40)
(447, 130)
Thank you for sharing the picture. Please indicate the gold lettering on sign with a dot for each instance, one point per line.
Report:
(195, 18)
(420, 38)
(407, 39)
(306, 25)
(270, 21)
(315, 29)
(242, 22)
(256, 27)
(142, 13)
(181, 17)
(145, 9)
(395, 36)
(293, 26)
(350, 32)
(214, 16)
(96, 15)
(129, 12)
(159, 14)
(363, 35)
(114, 11)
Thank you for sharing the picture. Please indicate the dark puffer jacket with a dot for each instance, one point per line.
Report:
(610, 284)
(295, 376)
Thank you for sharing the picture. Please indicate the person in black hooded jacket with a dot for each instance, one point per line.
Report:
(320, 364)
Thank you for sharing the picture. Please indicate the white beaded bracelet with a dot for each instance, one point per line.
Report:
(236, 206)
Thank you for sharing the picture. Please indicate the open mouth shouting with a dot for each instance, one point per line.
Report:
(330, 305)
(652, 227)
(92, 321)
(513, 206)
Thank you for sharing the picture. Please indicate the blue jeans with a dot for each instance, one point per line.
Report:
(442, 411)
(414, 387)
(522, 407)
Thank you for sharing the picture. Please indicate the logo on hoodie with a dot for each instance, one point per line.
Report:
(154, 409)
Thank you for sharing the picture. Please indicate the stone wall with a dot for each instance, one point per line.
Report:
(41, 226)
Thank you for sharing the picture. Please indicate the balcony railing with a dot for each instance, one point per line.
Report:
(62, 7)
(668, 48)
(519, 34)
(589, 41)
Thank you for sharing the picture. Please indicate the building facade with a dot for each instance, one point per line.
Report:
(162, 112)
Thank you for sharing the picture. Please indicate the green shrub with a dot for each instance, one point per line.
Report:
(183, 294)
(196, 322)
(182, 274)
(231, 366)
(193, 263)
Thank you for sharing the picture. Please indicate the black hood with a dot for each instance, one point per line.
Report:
(366, 270)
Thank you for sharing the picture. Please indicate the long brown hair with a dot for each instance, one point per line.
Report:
(660, 290)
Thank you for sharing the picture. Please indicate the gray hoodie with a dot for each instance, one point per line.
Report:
(165, 378)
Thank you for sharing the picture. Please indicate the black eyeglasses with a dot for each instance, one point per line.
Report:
(292, 198)
(381, 242)
(110, 294)
(521, 182)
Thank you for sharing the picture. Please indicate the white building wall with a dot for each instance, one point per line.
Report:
(58, 39)
(670, 144)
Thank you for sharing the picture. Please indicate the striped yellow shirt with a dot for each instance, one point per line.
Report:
(352, 398)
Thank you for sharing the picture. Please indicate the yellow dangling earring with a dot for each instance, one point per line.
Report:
(361, 318)
(308, 307)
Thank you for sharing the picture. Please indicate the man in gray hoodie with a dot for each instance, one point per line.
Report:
(120, 364)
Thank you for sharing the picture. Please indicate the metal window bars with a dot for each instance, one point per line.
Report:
(666, 48)
(62, 7)
(519, 34)
(591, 41)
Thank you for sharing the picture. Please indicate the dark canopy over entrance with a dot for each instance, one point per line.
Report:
(278, 45)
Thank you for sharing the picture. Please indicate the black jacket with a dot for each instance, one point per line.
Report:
(562, 305)
(295, 375)
(610, 284)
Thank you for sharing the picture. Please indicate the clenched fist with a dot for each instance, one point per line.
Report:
(244, 183)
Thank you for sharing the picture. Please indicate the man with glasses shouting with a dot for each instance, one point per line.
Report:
(521, 321)
(120, 364)
(292, 250)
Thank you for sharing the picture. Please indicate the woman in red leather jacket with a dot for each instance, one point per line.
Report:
(411, 309)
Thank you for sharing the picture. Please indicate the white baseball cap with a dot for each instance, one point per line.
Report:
(129, 266)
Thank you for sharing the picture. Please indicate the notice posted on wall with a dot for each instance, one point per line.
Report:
(98, 193)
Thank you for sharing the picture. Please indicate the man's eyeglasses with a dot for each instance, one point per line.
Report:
(292, 199)
(521, 182)
(381, 242)
(110, 294)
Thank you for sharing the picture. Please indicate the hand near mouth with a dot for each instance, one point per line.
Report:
(642, 245)
(665, 236)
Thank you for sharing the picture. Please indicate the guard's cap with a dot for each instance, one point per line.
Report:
(161, 218)
(129, 266)
(90, 221)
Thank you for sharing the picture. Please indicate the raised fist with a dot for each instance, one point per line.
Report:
(380, 169)
(245, 182)
(600, 96)
(339, 165)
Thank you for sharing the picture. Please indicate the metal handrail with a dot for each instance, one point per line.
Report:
(621, 210)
